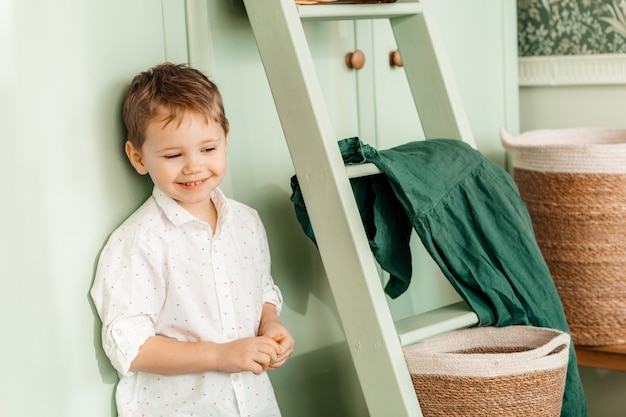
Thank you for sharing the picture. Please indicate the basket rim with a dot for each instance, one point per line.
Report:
(547, 349)
(591, 150)
(575, 137)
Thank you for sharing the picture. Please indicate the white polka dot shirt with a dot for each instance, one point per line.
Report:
(164, 272)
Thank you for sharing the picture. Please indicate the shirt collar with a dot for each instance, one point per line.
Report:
(178, 215)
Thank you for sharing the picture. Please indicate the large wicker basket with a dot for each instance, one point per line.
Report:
(487, 372)
(573, 182)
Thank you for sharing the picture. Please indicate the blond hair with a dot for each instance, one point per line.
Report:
(170, 90)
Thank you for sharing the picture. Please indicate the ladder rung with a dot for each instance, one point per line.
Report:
(328, 11)
(362, 170)
(452, 317)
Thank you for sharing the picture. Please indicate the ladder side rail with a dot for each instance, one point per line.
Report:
(430, 78)
(347, 258)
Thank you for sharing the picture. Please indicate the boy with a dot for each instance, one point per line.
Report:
(183, 286)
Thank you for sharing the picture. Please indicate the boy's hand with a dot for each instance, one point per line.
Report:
(254, 354)
(271, 326)
(279, 334)
(286, 343)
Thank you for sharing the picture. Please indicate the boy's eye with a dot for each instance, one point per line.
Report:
(172, 156)
(208, 149)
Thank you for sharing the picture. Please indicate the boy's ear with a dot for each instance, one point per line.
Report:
(134, 156)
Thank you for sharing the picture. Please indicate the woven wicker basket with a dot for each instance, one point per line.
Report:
(487, 372)
(573, 182)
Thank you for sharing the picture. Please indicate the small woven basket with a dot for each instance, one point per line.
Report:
(487, 372)
(573, 182)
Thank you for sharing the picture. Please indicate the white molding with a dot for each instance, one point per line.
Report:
(200, 36)
(510, 65)
(600, 69)
(174, 31)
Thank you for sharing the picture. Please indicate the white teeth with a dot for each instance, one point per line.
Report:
(191, 184)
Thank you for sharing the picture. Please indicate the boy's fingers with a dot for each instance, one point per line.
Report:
(277, 340)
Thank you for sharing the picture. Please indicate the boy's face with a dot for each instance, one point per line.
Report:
(186, 161)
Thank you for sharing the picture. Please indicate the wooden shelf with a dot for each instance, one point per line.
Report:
(359, 11)
(604, 357)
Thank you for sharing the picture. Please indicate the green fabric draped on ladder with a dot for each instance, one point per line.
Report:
(468, 213)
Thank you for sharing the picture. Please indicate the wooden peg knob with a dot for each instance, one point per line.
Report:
(355, 60)
(395, 60)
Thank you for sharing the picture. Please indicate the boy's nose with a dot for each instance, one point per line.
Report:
(192, 165)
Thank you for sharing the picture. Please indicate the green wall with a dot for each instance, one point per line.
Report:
(66, 185)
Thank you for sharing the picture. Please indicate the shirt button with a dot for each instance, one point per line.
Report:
(235, 377)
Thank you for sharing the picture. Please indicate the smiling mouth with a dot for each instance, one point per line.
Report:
(192, 183)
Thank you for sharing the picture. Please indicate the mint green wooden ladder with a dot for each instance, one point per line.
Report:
(375, 341)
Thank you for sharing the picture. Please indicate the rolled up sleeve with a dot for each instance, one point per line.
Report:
(128, 296)
(122, 339)
(271, 292)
